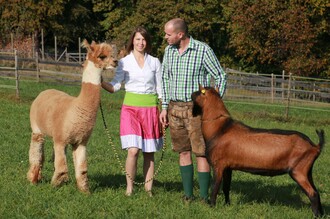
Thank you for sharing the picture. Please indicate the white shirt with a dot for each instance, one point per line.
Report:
(146, 80)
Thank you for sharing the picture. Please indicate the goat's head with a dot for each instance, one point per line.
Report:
(102, 54)
(205, 97)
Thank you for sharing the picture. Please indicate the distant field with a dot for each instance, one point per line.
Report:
(251, 196)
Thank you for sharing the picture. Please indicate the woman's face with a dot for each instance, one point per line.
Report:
(139, 42)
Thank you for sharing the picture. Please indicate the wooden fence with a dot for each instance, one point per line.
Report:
(12, 68)
(283, 89)
(276, 88)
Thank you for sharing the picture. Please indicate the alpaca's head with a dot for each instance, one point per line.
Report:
(101, 54)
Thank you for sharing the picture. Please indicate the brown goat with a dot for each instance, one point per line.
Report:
(231, 145)
(69, 120)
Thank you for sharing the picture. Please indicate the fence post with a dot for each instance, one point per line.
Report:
(240, 81)
(66, 56)
(288, 99)
(16, 75)
(42, 45)
(314, 91)
(32, 38)
(79, 48)
(37, 67)
(11, 41)
(55, 49)
(283, 78)
(272, 88)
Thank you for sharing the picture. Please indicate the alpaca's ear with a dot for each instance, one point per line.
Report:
(217, 89)
(201, 87)
(86, 45)
(93, 46)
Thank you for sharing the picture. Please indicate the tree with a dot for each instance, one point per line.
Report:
(274, 35)
(66, 19)
(29, 16)
(203, 16)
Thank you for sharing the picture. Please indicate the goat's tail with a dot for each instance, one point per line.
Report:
(320, 133)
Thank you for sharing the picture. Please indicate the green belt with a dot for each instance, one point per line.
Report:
(132, 99)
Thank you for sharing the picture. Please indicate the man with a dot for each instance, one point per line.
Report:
(186, 64)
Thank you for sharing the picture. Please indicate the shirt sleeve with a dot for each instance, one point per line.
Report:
(119, 76)
(213, 67)
(158, 78)
(165, 81)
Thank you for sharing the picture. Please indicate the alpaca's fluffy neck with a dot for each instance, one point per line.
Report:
(91, 73)
(91, 85)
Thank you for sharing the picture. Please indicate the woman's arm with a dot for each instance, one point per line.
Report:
(107, 86)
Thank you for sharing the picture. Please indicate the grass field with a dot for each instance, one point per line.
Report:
(251, 196)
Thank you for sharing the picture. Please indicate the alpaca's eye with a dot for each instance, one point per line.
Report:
(102, 57)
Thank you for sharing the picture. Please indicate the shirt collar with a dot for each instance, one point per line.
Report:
(191, 45)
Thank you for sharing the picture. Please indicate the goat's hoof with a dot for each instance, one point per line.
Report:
(212, 204)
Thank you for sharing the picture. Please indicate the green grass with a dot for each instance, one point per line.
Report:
(251, 196)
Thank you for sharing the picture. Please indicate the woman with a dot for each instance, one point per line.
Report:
(139, 118)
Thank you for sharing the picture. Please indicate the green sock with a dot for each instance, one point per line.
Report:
(204, 182)
(187, 174)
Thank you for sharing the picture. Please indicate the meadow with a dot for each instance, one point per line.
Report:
(252, 196)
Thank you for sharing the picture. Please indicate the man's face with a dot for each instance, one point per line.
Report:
(172, 37)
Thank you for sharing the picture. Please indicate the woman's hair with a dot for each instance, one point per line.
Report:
(146, 36)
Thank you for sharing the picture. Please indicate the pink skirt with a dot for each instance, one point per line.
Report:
(140, 127)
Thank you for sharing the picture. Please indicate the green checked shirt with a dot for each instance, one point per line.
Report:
(182, 74)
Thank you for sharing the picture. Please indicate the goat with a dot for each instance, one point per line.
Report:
(231, 145)
(68, 120)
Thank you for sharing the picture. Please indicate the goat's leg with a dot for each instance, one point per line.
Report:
(61, 169)
(80, 165)
(226, 184)
(217, 181)
(306, 184)
(36, 157)
(318, 199)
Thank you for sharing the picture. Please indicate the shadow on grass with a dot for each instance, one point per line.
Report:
(258, 192)
(119, 180)
(108, 181)
(255, 191)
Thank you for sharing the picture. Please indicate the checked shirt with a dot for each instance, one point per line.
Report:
(182, 74)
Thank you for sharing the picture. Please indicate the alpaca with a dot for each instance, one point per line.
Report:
(69, 120)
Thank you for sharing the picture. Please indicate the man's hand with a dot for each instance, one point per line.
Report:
(163, 118)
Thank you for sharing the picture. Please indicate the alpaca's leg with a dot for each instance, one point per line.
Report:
(36, 157)
(61, 169)
(80, 165)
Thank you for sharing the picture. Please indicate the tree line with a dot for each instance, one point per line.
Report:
(265, 36)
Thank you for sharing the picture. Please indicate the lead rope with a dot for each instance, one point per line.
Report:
(117, 156)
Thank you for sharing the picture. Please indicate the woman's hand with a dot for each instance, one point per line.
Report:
(107, 86)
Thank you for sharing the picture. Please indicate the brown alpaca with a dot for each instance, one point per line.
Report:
(69, 120)
(231, 145)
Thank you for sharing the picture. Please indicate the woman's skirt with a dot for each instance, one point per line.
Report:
(139, 123)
